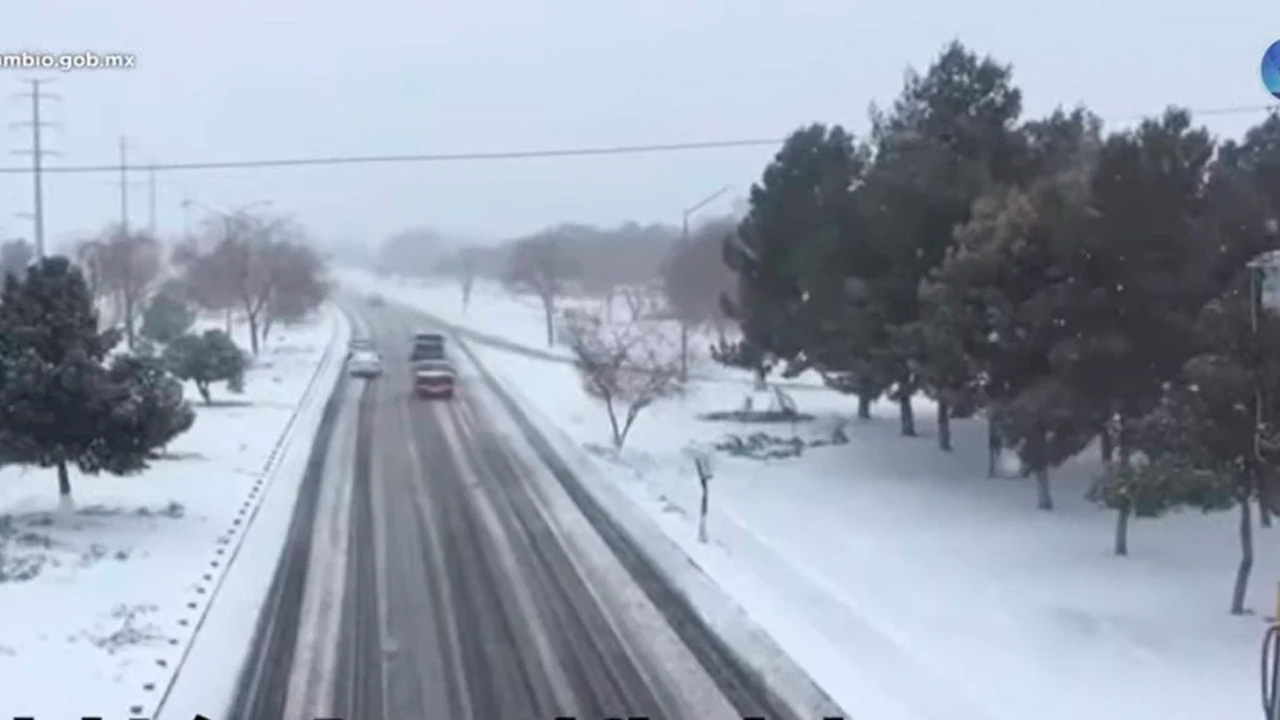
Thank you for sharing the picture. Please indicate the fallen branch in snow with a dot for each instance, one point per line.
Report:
(130, 633)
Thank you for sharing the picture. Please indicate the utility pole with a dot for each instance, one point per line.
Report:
(151, 191)
(37, 152)
(684, 240)
(124, 185)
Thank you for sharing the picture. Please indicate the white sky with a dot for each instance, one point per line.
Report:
(246, 79)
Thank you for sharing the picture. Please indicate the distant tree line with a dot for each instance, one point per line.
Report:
(1066, 283)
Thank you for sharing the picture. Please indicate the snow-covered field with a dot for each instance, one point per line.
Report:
(909, 584)
(98, 608)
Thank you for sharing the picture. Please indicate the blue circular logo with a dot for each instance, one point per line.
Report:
(1271, 69)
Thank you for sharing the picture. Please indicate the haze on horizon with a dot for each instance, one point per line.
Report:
(252, 80)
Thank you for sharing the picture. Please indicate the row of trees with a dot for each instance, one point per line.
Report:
(566, 258)
(262, 268)
(72, 399)
(1067, 283)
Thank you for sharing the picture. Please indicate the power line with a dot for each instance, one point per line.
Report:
(37, 153)
(422, 158)
(124, 186)
(503, 155)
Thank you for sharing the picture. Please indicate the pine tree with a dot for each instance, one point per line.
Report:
(206, 359)
(155, 411)
(798, 213)
(166, 318)
(62, 407)
(1015, 260)
(947, 138)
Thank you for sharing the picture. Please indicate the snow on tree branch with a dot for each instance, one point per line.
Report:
(627, 366)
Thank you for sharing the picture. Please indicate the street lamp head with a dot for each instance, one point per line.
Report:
(1272, 225)
(1267, 261)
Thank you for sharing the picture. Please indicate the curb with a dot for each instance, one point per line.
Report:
(227, 546)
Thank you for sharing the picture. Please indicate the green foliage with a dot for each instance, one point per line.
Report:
(1151, 489)
(783, 249)
(62, 405)
(1065, 282)
(166, 318)
(153, 412)
(206, 359)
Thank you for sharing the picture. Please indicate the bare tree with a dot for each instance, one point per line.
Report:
(128, 265)
(206, 280)
(15, 256)
(636, 302)
(694, 278)
(244, 256)
(624, 366)
(88, 255)
(297, 276)
(539, 265)
(468, 263)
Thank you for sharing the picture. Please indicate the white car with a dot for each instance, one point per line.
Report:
(365, 363)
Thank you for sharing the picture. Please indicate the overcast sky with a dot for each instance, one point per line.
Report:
(246, 79)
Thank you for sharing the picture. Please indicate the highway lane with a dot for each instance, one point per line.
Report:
(459, 595)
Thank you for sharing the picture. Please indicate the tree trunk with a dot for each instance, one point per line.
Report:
(548, 315)
(253, 332)
(944, 426)
(1265, 494)
(994, 446)
(1122, 530)
(226, 322)
(906, 415)
(702, 510)
(615, 429)
(684, 351)
(1241, 586)
(266, 329)
(128, 320)
(64, 486)
(203, 388)
(1111, 445)
(864, 407)
(1044, 498)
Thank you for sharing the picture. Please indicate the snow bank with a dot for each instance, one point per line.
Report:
(97, 609)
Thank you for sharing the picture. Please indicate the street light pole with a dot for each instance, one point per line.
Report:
(1262, 267)
(227, 216)
(684, 240)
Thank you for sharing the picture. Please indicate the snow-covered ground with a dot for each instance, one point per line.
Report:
(98, 608)
(909, 584)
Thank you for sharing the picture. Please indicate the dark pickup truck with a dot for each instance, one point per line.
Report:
(433, 374)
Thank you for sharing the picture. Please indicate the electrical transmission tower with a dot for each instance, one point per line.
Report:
(36, 95)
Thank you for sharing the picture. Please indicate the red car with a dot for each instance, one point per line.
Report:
(434, 379)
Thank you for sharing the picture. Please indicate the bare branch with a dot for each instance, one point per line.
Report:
(626, 366)
(539, 265)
